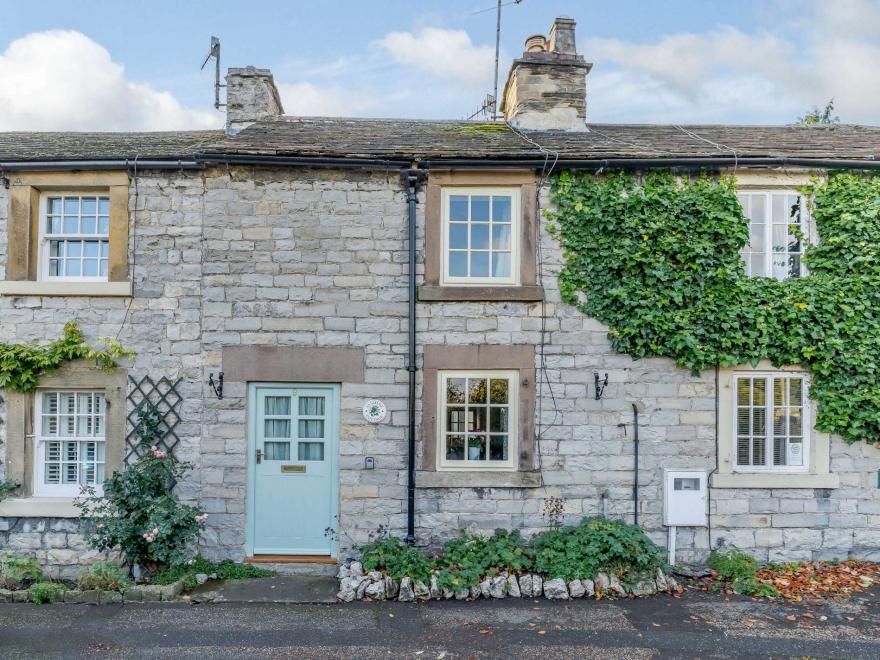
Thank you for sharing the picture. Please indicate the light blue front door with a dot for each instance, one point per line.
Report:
(293, 487)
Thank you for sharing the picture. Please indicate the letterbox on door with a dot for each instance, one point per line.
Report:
(684, 498)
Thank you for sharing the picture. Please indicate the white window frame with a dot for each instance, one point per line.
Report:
(45, 237)
(467, 464)
(806, 228)
(515, 194)
(806, 421)
(42, 489)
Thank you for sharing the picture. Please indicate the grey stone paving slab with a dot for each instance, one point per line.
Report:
(280, 589)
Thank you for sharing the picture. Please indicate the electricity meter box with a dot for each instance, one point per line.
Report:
(684, 498)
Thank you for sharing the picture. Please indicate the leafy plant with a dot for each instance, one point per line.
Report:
(7, 486)
(104, 576)
(390, 554)
(17, 572)
(224, 570)
(823, 117)
(469, 558)
(733, 565)
(139, 512)
(21, 365)
(596, 545)
(45, 592)
(657, 259)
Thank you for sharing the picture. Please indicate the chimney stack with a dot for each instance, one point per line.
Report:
(546, 88)
(250, 95)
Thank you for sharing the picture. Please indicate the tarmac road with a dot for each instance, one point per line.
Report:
(694, 625)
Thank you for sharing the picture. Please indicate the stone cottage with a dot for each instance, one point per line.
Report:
(358, 324)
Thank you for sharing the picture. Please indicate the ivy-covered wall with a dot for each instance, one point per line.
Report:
(658, 259)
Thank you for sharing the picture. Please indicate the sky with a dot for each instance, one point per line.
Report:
(134, 65)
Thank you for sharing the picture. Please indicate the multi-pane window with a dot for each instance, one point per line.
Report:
(778, 226)
(478, 419)
(480, 232)
(70, 442)
(75, 237)
(298, 419)
(772, 431)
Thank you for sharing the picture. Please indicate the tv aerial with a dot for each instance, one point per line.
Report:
(491, 102)
(215, 53)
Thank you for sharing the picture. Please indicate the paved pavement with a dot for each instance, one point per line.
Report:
(695, 625)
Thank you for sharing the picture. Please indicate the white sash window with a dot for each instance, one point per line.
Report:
(75, 237)
(70, 442)
(778, 229)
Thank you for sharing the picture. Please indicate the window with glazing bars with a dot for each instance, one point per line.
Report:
(771, 425)
(478, 428)
(75, 237)
(70, 447)
(480, 231)
(778, 227)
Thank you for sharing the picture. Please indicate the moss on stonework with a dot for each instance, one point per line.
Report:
(483, 128)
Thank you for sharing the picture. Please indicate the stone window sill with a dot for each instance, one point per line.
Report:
(524, 293)
(764, 480)
(38, 507)
(429, 479)
(96, 289)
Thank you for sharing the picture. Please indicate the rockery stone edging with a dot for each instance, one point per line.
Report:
(354, 584)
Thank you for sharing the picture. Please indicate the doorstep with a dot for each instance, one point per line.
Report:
(279, 589)
(290, 559)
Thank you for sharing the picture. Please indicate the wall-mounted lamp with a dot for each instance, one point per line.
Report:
(601, 384)
(217, 385)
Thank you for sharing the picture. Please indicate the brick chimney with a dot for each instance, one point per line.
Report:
(546, 88)
(250, 95)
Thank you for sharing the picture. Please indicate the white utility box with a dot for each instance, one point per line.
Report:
(684, 498)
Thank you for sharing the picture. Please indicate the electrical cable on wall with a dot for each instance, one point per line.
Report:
(132, 248)
(546, 171)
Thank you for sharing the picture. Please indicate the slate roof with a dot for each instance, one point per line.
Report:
(404, 139)
(104, 146)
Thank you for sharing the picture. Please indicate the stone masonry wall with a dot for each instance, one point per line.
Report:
(318, 258)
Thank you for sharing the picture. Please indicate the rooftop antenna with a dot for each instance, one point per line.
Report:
(494, 98)
(215, 53)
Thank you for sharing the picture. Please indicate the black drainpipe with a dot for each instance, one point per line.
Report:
(636, 479)
(411, 180)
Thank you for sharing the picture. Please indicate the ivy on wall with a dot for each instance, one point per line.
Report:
(21, 365)
(657, 260)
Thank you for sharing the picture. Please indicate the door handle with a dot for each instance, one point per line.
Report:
(259, 455)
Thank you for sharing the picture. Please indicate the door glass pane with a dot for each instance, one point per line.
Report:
(311, 428)
(311, 405)
(276, 451)
(310, 451)
(277, 405)
(277, 428)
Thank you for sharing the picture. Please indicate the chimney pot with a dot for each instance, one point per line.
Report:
(536, 43)
(250, 95)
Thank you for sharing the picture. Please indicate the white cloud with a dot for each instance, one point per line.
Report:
(727, 75)
(307, 99)
(447, 54)
(63, 80)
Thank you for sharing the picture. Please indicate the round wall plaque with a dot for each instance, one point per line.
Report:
(374, 411)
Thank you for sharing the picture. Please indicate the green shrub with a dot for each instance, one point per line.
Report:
(469, 558)
(753, 587)
(596, 545)
(102, 575)
(733, 565)
(390, 554)
(17, 572)
(139, 512)
(45, 592)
